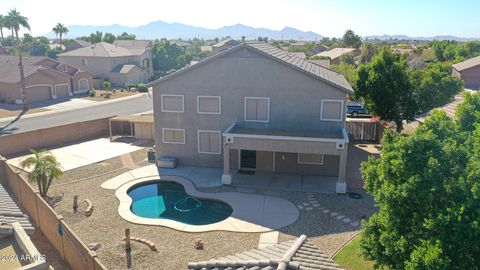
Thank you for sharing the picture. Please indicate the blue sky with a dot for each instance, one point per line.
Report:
(326, 17)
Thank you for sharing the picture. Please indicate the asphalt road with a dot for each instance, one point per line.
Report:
(129, 106)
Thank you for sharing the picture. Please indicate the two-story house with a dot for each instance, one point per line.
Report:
(254, 107)
(118, 63)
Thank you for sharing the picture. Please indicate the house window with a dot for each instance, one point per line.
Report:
(331, 110)
(172, 103)
(257, 109)
(316, 159)
(173, 135)
(209, 142)
(146, 63)
(209, 104)
(64, 68)
(84, 62)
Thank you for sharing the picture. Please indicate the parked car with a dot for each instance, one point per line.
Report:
(355, 110)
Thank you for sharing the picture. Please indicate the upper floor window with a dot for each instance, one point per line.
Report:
(172, 103)
(84, 62)
(209, 105)
(257, 109)
(331, 110)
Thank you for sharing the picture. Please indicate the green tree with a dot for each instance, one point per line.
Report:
(346, 70)
(46, 169)
(347, 58)
(2, 25)
(427, 187)
(433, 87)
(109, 38)
(351, 40)
(468, 113)
(96, 37)
(384, 86)
(367, 52)
(38, 48)
(59, 30)
(16, 21)
(126, 36)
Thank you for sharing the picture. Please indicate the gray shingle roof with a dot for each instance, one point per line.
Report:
(303, 65)
(136, 47)
(469, 63)
(293, 254)
(225, 41)
(124, 68)
(10, 212)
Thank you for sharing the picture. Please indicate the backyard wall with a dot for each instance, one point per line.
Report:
(69, 246)
(364, 131)
(54, 136)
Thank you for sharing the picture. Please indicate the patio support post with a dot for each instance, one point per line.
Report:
(341, 186)
(226, 177)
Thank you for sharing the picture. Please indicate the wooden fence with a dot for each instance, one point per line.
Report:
(365, 131)
(52, 225)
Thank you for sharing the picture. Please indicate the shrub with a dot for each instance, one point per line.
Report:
(106, 84)
(131, 85)
(142, 88)
(92, 93)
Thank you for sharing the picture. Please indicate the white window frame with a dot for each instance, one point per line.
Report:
(169, 95)
(341, 109)
(84, 62)
(311, 163)
(245, 110)
(173, 129)
(209, 131)
(219, 105)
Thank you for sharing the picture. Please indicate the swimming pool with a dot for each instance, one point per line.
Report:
(168, 200)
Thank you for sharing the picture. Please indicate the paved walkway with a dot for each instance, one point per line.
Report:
(251, 212)
(85, 153)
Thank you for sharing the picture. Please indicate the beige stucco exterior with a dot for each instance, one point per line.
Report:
(295, 100)
(470, 76)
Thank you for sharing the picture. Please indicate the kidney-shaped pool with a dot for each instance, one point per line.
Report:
(168, 200)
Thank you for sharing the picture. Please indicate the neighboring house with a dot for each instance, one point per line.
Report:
(224, 45)
(254, 107)
(45, 79)
(335, 54)
(448, 108)
(206, 48)
(290, 255)
(182, 44)
(469, 72)
(301, 55)
(76, 44)
(121, 63)
(318, 48)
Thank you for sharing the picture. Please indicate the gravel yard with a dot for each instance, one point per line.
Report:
(176, 248)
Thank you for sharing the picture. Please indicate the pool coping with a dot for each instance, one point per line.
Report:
(251, 212)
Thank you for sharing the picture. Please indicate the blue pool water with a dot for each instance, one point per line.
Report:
(160, 199)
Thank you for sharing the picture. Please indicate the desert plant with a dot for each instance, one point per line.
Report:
(46, 168)
(92, 92)
(142, 88)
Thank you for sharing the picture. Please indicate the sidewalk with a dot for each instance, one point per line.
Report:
(73, 104)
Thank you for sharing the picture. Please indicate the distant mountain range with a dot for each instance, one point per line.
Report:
(404, 37)
(161, 29)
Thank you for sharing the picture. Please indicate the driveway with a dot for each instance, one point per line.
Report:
(85, 153)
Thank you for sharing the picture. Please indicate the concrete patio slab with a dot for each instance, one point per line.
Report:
(251, 212)
(268, 239)
(85, 153)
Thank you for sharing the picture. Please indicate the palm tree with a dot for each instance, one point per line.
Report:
(2, 25)
(16, 21)
(46, 169)
(59, 30)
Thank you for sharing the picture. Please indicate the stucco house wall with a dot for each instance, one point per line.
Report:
(295, 101)
(470, 76)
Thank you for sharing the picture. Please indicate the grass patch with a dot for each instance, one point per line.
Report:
(350, 257)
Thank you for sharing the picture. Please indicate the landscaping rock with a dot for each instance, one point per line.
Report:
(94, 246)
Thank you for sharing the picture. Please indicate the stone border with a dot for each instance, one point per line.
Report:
(251, 212)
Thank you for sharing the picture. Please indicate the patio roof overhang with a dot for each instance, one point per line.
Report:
(265, 139)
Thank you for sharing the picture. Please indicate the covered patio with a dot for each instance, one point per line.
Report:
(300, 160)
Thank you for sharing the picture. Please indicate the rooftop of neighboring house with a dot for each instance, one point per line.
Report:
(298, 54)
(124, 68)
(289, 255)
(336, 52)
(104, 49)
(303, 65)
(80, 42)
(180, 43)
(9, 72)
(136, 47)
(10, 212)
(448, 108)
(469, 63)
(224, 42)
(321, 62)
